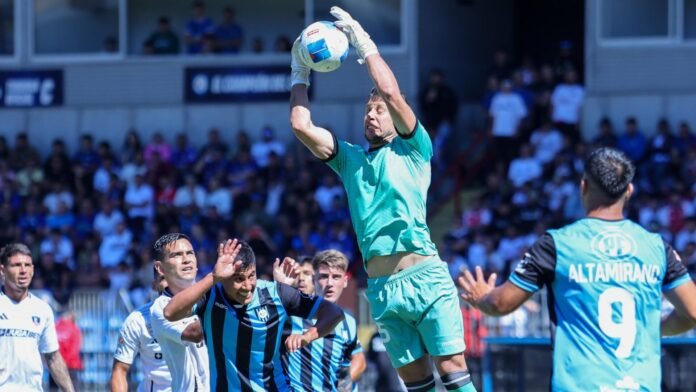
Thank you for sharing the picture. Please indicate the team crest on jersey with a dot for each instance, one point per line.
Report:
(262, 314)
(36, 320)
(614, 244)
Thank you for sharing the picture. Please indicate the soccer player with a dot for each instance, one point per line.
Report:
(605, 277)
(27, 328)
(412, 297)
(181, 342)
(336, 361)
(243, 318)
(136, 338)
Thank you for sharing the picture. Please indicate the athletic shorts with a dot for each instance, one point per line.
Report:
(417, 312)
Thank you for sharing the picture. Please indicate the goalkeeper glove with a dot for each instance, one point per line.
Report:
(299, 70)
(357, 36)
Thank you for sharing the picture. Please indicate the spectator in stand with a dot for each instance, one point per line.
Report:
(215, 143)
(197, 28)
(28, 176)
(659, 155)
(477, 216)
(439, 105)
(219, 198)
(327, 191)
(502, 68)
(157, 145)
(162, 40)
(261, 149)
(102, 177)
(543, 88)
(157, 169)
(605, 136)
(184, 155)
(507, 113)
(229, 35)
(525, 167)
(132, 169)
(131, 146)
(70, 344)
(632, 142)
(257, 45)
(190, 194)
(60, 247)
(57, 165)
(685, 140)
(23, 152)
(62, 218)
(566, 105)
(139, 203)
(58, 194)
(282, 44)
(31, 219)
(547, 142)
(114, 246)
(107, 219)
(686, 235)
(566, 59)
(86, 155)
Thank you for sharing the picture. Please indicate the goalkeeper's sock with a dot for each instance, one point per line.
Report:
(458, 381)
(425, 385)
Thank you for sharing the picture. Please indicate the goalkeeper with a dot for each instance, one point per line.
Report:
(412, 297)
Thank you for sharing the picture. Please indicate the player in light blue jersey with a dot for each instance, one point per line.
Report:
(412, 297)
(605, 277)
(335, 362)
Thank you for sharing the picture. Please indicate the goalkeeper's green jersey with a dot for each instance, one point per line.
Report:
(387, 190)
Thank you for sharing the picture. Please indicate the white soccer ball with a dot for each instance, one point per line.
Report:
(324, 46)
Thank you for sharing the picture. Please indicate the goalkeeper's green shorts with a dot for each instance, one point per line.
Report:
(417, 312)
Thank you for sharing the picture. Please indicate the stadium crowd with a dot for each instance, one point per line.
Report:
(538, 153)
(92, 214)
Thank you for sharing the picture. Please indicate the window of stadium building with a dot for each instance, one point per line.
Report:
(62, 27)
(7, 28)
(635, 18)
(382, 19)
(690, 19)
(217, 27)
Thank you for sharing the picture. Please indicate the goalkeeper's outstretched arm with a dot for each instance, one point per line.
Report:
(382, 76)
(319, 140)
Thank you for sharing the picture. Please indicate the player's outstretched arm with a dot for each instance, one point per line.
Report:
(181, 305)
(494, 301)
(59, 371)
(683, 317)
(119, 376)
(382, 76)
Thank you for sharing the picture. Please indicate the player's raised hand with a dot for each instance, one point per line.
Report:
(475, 289)
(295, 342)
(227, 262)
(299, 71)
(357, 36)
(286, 272)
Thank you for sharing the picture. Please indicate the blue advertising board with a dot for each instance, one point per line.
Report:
(236, 84)
(31, 89)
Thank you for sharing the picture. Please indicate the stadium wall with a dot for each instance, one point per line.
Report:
(642, 78)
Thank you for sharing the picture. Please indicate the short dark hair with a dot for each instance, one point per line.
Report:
(246, 255)
(610, 171)
(12, 249)
(161, 244)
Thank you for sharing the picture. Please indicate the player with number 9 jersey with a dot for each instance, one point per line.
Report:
(605, 280)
